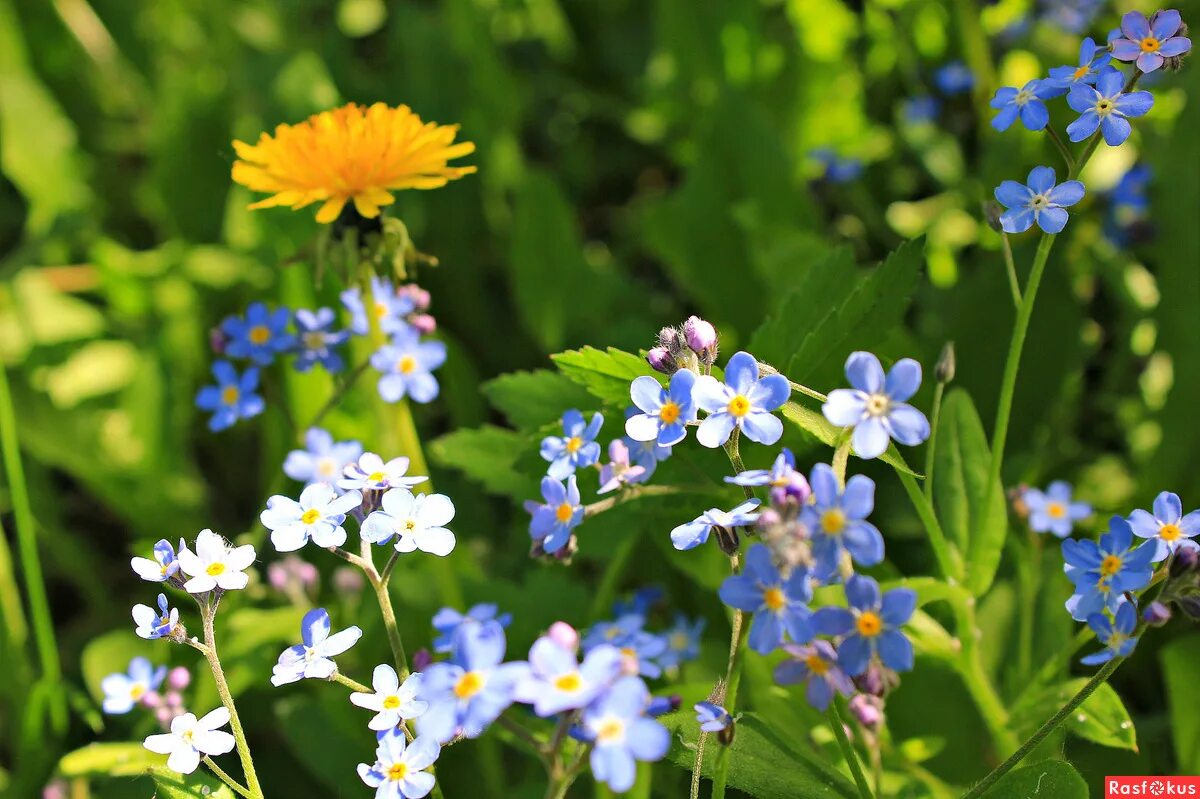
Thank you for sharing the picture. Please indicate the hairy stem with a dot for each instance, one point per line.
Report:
(931, 448)
(353, 685)
(1010, 267)
(384, 598)
(225, 778)
(235, 723)
(848, 753)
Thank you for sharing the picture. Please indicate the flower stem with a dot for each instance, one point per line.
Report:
(235, 723)
(841, 455)
(225, 778)
(1010, 267)
(974, 675)
(931, 449)
(1029, 574)
(948, 559)
(1057, 663)
(808, 392)
(389, 623)
(353, 685)
(1068, 159)
(1051, 723)
(848, 754)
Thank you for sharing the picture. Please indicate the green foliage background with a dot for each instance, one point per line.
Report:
(638, 161)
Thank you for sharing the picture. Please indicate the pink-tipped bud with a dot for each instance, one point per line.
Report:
(277, 575)
(423, 323)
(660, 360)
(419, 296)
(164, 716)
(868, 710)
(564, 635)
(1156, 614)
(307, 574)
(152, 699)
(174, 699)
(56, 790)
(348, 581)
(769, 518)
(421, 660)
(701, 335)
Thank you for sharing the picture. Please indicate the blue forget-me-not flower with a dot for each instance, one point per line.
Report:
(876, 406)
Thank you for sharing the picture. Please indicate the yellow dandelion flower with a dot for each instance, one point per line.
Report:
(352, 153)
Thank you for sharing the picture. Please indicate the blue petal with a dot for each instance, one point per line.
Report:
(1041, 179)
(862, 592)
(766, 632)
(741, 592)
(1052, 220)
(1012, 194)
(741, 373)
(865, 373)
(895, 650)
(1066, 193)
(854, 655)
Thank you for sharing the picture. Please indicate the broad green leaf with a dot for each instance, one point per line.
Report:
(124, 759)
(815, 424)
(1179, 659)
(1050, 778)
(197, 785)
(761, 761)
(326, 734)
(488, 454)
(605, 373)
(532, 399)
(960, 488)
(1102, 718)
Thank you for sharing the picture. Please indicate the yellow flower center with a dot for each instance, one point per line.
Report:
(817, 665)
(391, 702)
(1169, 532)
(569, 682)
(1079, 73)
(187, 736)
(877, 404)
(679, 641)
(314, 341)
(260, 334)
(869, 624)
(215, 569)
(574, 443)
(137, 691)
(326, 466)
(1039, 201)
(375, 477)
(739, 406)
(1104, 107)
(468, 685)
(1110, 565)
(397, 771)
(610, 730)
(311, 515)
(1150, 44)
(1055, 510)
(407, 365)
(410, 525)
(381, 310)
(230, 394)
(564, 512)
(669, 412)
(774, 599)
(833, 521)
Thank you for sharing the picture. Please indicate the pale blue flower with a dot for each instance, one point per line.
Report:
(557, 682)
(1117, 635)
(152, 624)
(449, 623)
(575, 448)
(553, 520)
(317, 516)
(871, 626)
(694, 533)
(744, 401)
(417, 522)
(406, 366)
(779, 605)
(314, 657)
(400, 769)
(1167, 526)
(876, 407)
(317, 341)
(1039, 201)
(622, 734)
(392, 702)
(322, 459)
(665, 412)
(123, 691)
(390, 308)
(712, 718)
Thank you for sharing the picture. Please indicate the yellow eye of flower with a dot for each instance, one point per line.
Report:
(817, 665)
(569, 682)
(833, 521)
(260, 334)
(1110, 565)
(1169, 532)
(1079, 73)
(375, 477)
(137, 691)
(610, 730)
(391, 702)
(869, 624)
(774, 599)
(230, 394)
(877, 404)
(468, 685)
(215, 569)
(564, 512)
(407, 365)
(397, 771)
(311, 515)
(1150, 44)
(1055, 510)
(739, 406)
(574, 443)
(350, 154)
(669, 412)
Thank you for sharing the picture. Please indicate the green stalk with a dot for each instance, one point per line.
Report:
(1010, 267)
(848, 754)
(225, 778)
(931, 448)
(208, 612)
(1029, 574)
(974, 675)
(31, 565)
(948, 559)
(733, 679)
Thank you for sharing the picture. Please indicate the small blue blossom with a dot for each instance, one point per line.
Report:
(554, 519)
(152, 624)
(780, 606)
(712, 718)
(616, 633)
(876, 407)
(260, 336)
(449, 623)
(871, 626)
(1103, 572)
(665, 412)
(642, 602)
(164, 566)
(400, 771)
(1026, 103)
(816, 665)
(1091, 59)
(468, 693)
(123, 691)
(406, 367)
(1167, 526)
(232, 398)
(322, 460)
(682, 642)
(317, 516)
(314, 657)
(646, 454)
(835, 168)
(1053, 511)
(391, 307)
(640, 652)
(371, 473)
(921, 109)
(622, 734)
(1073, 16)
(618, 471)
(1106, 106)
(576, 448)
(781, 474)
(694, 533)
(317, 341)
(954, 78)
(557, 682)
(837, 521)
(744, 401)
(1039, 201)
(1117, 635)
(1150, 42)
(392, 702)
(1127, 217)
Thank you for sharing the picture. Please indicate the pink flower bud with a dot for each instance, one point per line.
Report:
(152, 699)
(174, 699)
(660, 360)
(277, 575)
(179, 678)
(164, 716)
(423, 323)
(701, 335)
(564, 635)
(421, 660)
(348, 581)
(307, 573)
(867, 709)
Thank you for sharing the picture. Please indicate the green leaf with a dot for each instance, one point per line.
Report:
(532, 399)
(960, 490)
(197, 785)
(329, 725)
(815, 424)
(1052, 778)
(606, 374)
(1102, 718)
(488, 454)
(761, 763)
(1179, 659)
(112, 759)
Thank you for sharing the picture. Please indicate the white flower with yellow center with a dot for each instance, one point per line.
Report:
(318, 515)
(400, 768)
(416, 520)
(392, 700)
(190, 738)
(215, 564)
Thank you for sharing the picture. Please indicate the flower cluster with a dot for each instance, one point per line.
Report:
(643, 652)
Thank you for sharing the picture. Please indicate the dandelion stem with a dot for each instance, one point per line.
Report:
(225, 778)
(235, 723)
(848, 753)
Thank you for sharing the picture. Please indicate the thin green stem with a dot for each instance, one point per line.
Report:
(848, 753)
(225, 778)
(1010, 267)
(931, 448)
(208, 612)
(1054, 666)
(1048, 727)
(31, 565)
(384, 598)
(733, 679)
(11, 612)
(808, 392)
(1029, 575)
(1068, 159)
(948, 559)
(526, 736)
(353, 685)
(841, 455)
(975, 678)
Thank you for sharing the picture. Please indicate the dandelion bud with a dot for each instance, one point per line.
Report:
(423, 323)
(564, 635)
(179, 678)
(944, 370)
(1156, 614)
(867, 710)
(421, 659)
(727, 539)
(660, 360)
(991, 215)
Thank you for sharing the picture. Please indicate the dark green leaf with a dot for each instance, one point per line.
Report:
(1052, 778)
(488, 454)
(1179, 659)
(605, 373)
(1102, 718)
(532, 399)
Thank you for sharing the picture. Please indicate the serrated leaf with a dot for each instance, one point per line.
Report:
(815, 424)
(1102, 718)
(124, 759)
(605, 373)
(488, 454)
(960, 490)
(1051, 778)
(197, 785)
(761, 763)
(532, 399)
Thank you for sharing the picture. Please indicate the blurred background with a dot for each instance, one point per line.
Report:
(639, 160)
